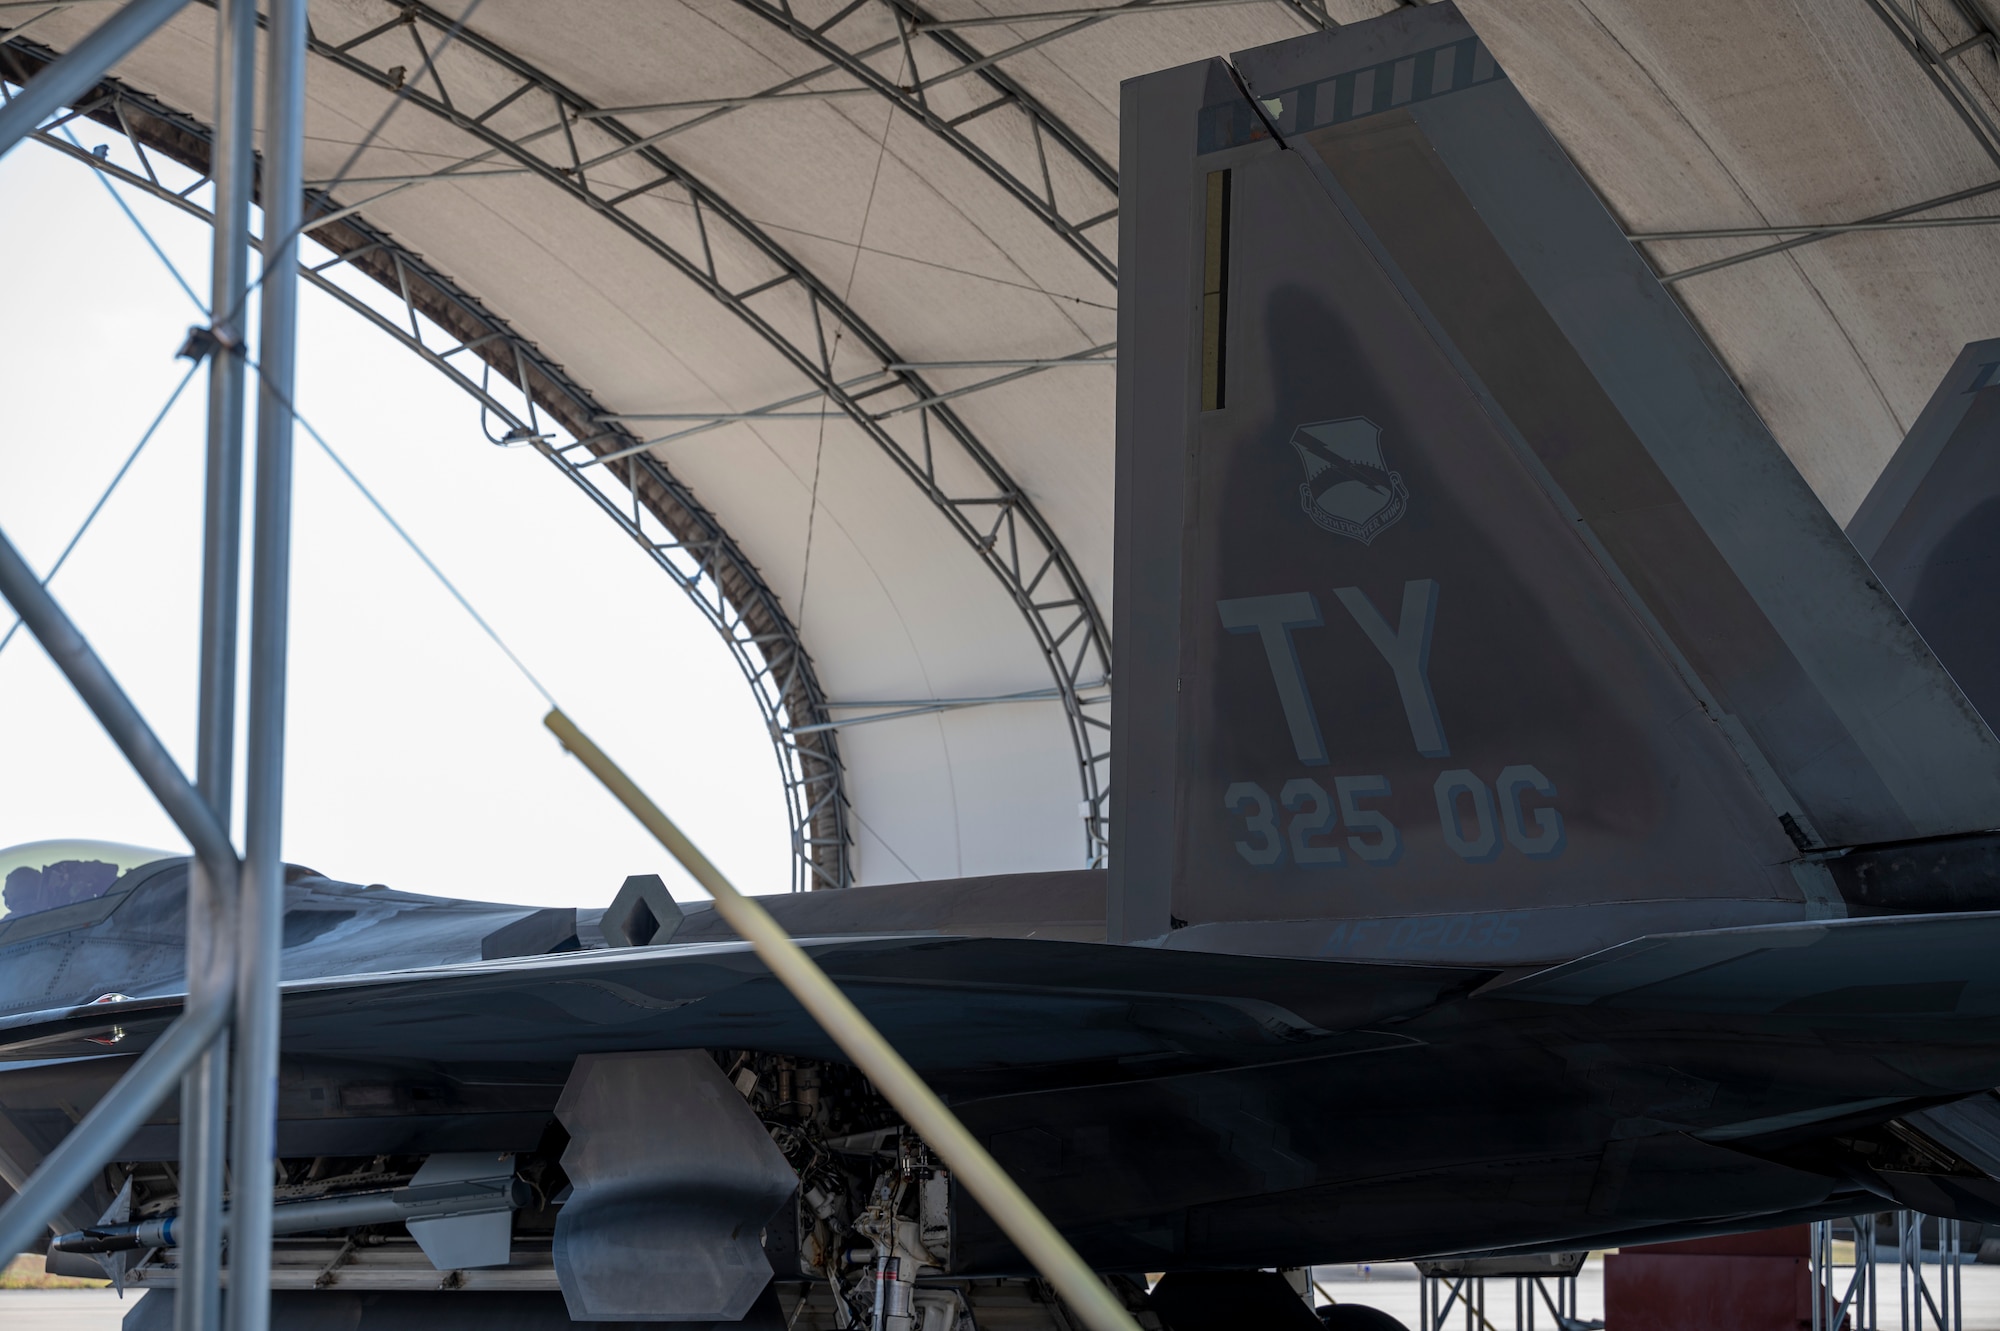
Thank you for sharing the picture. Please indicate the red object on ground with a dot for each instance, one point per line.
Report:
(1745, 1282)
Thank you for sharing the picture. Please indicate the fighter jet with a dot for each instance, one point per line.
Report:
(1567, 843)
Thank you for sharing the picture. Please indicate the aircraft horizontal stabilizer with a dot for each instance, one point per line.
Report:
(1920, 971)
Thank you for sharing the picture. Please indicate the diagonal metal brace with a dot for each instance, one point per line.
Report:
(79, 70)
(67, 1170)
(87, 673)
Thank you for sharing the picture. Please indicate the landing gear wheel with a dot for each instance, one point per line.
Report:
(1357, 1317)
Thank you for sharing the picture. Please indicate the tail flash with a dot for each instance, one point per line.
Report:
(1454, 575)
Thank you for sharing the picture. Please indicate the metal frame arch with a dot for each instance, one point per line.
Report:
(722, 581)
(1045, 128)
(998, 521)
(1938, 64)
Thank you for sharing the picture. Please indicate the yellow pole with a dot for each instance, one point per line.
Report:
(1010, 1208)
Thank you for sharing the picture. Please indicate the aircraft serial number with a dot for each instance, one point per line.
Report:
(1476, 821)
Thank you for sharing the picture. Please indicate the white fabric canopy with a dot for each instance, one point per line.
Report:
(949, 210)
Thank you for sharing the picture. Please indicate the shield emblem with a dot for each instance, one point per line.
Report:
(1348, 488)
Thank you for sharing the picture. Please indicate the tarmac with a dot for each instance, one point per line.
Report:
(1391, 1288)
(62, 1309)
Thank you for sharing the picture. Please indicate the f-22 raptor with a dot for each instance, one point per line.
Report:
(1584, 842)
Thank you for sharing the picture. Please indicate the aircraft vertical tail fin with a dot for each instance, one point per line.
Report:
(1931, 525)
(1454, 574)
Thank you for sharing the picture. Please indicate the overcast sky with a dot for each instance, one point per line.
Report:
(416, 753)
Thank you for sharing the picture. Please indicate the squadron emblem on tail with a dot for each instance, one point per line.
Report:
(1348, 489)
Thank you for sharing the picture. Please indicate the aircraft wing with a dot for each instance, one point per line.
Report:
(1723, 1041)
(956, 1007)
(985, 1013)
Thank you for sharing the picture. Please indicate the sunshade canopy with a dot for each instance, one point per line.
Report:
(869, 227)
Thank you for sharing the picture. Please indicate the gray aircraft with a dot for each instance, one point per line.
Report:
(1539, 827)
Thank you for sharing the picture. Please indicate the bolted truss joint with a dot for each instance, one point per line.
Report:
(202, 342)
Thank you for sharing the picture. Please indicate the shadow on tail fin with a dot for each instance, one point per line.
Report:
(1931, 525)
(1461, 596)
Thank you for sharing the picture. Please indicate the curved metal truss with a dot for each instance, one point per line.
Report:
(696, 553)
(1937, 41)
(893, 406)
(1076, 203)
(1937, 37)
(1089, 198)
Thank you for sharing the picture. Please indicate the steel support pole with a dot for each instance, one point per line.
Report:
(1820, 1271)
(1903, 1263)
(81, 67)
(261, 912)
(67, 1170)
(1875, 1272)
(211, 917)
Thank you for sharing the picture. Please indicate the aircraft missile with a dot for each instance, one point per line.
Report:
(419, 1201)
